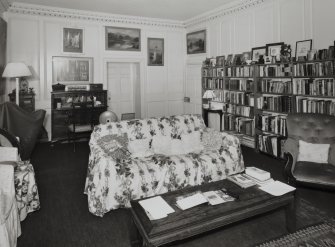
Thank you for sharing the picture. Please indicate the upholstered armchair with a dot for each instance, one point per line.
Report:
(310, 150)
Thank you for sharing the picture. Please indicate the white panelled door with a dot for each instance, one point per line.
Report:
(120, 82)
(193, 89)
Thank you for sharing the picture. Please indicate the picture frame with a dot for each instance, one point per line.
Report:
(256, 52)
(274, 50)
(72, 70)
(196, 42)
(301, 49)
(229, 60)
(155, 52)
(122, 39)
(73, 40)
(220, 61)
(246, 56)
(237, 60)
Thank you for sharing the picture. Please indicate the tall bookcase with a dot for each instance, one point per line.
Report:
(253, 101)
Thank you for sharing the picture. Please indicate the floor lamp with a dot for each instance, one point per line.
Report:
(16, 70)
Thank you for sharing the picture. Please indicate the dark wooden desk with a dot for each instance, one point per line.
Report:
(183, 224)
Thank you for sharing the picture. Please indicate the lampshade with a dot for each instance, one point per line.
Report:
(16, 70)
(209, 94)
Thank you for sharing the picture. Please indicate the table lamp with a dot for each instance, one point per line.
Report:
(209, 95)
(16, 70)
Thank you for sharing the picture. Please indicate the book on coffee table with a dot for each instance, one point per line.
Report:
(218, 197)
(257, 173)
(241, 180)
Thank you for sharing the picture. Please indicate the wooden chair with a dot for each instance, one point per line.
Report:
(81, 121)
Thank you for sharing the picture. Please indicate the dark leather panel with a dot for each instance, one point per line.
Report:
(311, 127)
(316, 173)
(25, 125)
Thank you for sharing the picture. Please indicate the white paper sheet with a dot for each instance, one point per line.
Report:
(277, 188)
(156, 207)
(191, 201)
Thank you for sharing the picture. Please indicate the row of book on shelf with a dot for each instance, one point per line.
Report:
(230, 122)
(275, 86)
(325, 68)
(314, 87)
(271, 144)
(272, 123)
(276, 70)
(240, 84)
(244, 71)
(212, 72)
(245, 111)
(234, 97)
(277, 103)
(212, 83)
(314, 105)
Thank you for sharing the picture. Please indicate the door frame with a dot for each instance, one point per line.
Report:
(141, 63)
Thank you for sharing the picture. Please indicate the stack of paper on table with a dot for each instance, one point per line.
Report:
(257, 173)
(277, 188)
(156, 207)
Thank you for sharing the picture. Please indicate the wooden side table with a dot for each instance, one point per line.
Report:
(26, 100)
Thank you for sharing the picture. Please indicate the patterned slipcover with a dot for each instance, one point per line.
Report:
(111, 184)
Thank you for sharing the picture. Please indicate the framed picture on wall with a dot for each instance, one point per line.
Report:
(196, 42)
(72, 70)
(73, 40)
(122, 39)
(155, 52)
(301, 49)
(257, 53)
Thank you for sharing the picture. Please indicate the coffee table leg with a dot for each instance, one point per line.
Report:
(290, 217)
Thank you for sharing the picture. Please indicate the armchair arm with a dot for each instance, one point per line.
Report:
(331, 159)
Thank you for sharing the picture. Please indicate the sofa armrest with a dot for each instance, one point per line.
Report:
(292, 146)
(331, 159)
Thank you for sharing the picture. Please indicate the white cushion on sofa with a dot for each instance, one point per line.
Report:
(192, 142)
(161, 144)
(317, 153)
(140, 148)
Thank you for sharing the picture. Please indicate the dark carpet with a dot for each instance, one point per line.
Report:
(64, 219)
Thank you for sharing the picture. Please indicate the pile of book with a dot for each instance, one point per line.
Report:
(252, 176)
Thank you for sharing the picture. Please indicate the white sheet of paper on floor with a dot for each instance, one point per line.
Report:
(277, 188)
(156, 207)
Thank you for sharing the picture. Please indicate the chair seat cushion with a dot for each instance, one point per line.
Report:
(80, 128)
(317, 173)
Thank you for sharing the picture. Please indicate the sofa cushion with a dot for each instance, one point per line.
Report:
(115, 145)
(313, 152)
(316, 173)
(161, 144)
(192, 142)
(140, 148)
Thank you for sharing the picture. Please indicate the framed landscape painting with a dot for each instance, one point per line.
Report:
(123, 39)
(196, 42)
(72, 70)
(73, 40)
(155, 52)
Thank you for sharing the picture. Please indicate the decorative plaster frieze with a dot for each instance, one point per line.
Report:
(4, 5)
(38, 10)
(225, 10)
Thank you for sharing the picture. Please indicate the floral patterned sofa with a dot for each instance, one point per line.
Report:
(112, 180)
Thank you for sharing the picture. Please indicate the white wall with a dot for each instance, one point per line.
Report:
(237, 28)
(35, 39)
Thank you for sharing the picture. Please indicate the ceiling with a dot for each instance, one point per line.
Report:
(180, 10)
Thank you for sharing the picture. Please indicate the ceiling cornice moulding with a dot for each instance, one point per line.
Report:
(39, 10)
(227, 9)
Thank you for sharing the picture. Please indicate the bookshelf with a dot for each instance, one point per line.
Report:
(253, 101)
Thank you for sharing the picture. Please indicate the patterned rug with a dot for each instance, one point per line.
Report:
(321, 235)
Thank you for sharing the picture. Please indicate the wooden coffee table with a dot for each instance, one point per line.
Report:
(183, 224)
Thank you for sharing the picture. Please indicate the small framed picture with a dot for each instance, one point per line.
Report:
(73, 40)
(122, 39)
(302, 48)
(274, 50)
(237, 59)
(246, 56)
(196, 42)
(229, 60)
(220, 61)
(155, 52)
(257, 52)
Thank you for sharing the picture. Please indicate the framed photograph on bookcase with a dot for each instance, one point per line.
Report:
(229, 60)
(301, 49)
(274, 50)
(257, 52)
(220, 60)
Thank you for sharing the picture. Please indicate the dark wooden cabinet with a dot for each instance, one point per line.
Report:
(61, 108)
(26, 100)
